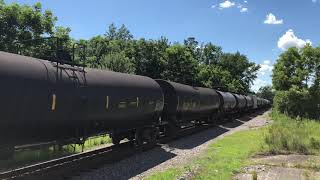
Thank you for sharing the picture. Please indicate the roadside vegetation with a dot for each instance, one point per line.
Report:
(293, 135)
(225, 157)
(31, 156)
(296, 81)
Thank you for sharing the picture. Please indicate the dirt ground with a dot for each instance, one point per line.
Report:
(282, 167)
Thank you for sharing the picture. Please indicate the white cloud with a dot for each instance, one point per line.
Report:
(244, 10)
(226, 4)
(289, 39)
(264, 75)
(230, 4)
(266, 67)
(259, 83)
(267, 62)
(271, 19)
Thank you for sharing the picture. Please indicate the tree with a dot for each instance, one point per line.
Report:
(216, 77)
(112, 32)
(286, 70)
(19, 23)
(110, 51)
(316, 83)
(190, 63)
(211, 54)
(122, 33)
(118, 51)
(117, 62)
(180, 65)
(242, 71)
(149, 56)
(266, 92)
(296, 79)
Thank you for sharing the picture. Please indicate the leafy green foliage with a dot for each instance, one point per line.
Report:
(149, 56)
(186, 63)
(214, 76)
(292, 102)
(266, 92)
(180, 65)
(296, 78)
(117, 62)
(21, 22)
(231, 72)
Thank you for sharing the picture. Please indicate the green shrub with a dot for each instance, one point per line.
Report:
(288, 135)
(297, 103)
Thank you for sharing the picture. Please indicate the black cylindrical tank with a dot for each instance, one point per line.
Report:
(241, 101)
(181, 102)
(259, 103)
(209, 100)
(44, 101)
(229, 101)
(249, 101)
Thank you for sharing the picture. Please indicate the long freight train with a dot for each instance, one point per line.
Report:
(45, 101)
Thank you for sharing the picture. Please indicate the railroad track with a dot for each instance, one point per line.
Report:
(73, 165)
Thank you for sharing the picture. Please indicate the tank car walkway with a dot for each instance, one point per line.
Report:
(176, 153)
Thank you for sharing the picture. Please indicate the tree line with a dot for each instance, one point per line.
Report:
(189, 62)
(296, 79)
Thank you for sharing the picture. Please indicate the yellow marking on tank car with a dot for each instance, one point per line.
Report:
(137, 102)
(178, 104)
(54, 102)
(107, 102)
(122, 105)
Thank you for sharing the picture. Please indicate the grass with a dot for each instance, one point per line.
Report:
(223, 158)
(171, 173)
(288, 135)
(32, 156)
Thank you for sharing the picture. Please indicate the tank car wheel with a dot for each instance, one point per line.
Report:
(171, 130)
(138, 138)
(198, 123)
(146, 136)
(150, 136)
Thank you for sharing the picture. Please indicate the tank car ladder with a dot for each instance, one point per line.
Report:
(76, 73)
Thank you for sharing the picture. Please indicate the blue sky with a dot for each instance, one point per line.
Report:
(261, 29)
